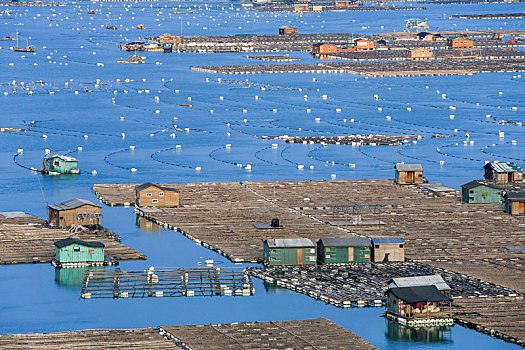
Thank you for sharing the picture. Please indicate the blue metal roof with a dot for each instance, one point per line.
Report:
(388, 240)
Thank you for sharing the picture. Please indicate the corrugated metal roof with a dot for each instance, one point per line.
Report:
(388, 240)
(346, 242)
(408, 167)
(72, 204)
(290, 243)
(67, 241)
(504, 167)
(64, 158)
(515, 196)
(418, 281)
(418, 294)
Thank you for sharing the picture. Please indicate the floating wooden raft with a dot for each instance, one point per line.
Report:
(172, 282)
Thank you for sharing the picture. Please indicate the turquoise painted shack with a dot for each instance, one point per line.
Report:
(290, 251)
(479, 192)
(73, 250)
(58, 164)
(344, 250)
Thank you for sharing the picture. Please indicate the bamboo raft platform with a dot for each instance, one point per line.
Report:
(166, 282)
(449, 33)
(319, 333)
(142, 338)
(276, 58)
(380, 68)
(354, 140)
(492, 16)
(26, 239)
(360, 285)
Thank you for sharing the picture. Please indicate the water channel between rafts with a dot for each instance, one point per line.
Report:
(32, 300)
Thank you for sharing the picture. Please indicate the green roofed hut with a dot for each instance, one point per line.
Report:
(57, 164)
(344, 250)
(290, 251)
(73, 252)
(476, 192)
(418, 306)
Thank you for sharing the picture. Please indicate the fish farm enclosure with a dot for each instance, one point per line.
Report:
(328, 174)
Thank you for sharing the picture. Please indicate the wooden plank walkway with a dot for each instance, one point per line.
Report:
(319, 333)
(26, 240)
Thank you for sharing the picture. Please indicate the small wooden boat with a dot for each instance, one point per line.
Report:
(186, 104)
(7, 38)
(141, 26)
(23, 49)
(111, 27)
(92, 12)
(130, 61)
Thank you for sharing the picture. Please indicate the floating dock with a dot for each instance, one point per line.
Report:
(25, 239)
(166, 282)
(318, 333)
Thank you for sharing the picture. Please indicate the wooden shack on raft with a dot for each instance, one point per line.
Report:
(514, 203)
(344, 250)
(419, 281)
(57, 164)
(388, 249)
(154, 195)
(73, 252)
(479, 192)
(74, 212)
(503, 172)
(288, 31)
(408, 174)
(418, 306)
(290, 251)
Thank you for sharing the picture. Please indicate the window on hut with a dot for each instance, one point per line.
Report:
(154, 200)
(148, 194)
(76, 249)
(161, 194)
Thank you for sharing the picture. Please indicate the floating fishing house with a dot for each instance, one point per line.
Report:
(288, 31)
(344, 250)
(478, 192)
(419, 54)
(459, 42)
(321, 49)
(503, 172)
(73, 252)
(419, 281)
(57, 164)
(74, 212)
(418, 306)
(290, 251)
(408, 174)
(514, 203)
(153, 195)
(388, 249)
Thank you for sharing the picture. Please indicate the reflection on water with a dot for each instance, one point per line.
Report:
(273, 288)
(398, 333)
(146, 224)
(73, 277)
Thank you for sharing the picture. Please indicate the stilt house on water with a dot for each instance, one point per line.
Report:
(57, 164)
(74, 212)
(418, 306)
(153, 195)
(388, 249)
(479, 192)
(409, 174)
(503, 172)
(514, 203)
(419, 281)
(72, 252)
(344, 250)
(290, 251)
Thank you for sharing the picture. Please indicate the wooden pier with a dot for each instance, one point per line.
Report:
(26, 239)
(318, 333)
(167, 282)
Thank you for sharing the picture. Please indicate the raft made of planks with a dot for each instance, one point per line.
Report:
(318, 333)
(166, 282)
(26, 239)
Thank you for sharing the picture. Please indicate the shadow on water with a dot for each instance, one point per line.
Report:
(425, 335)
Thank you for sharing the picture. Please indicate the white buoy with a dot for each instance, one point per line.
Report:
(79, 148)
(44, 136)
(501, 134)
(198, 168)
(221, 98)
(452, 116)
(308, 110)
(211, 111)
(300, 167)
(94, 172)
(514, 142)
(409, 109)
(452, 108)
(274, 110)
(514, 108)
(121, 118)
(248, 167)
(86, 136)
(178, 146)
(317, 120)
(441, 162)
(20, 150)
(274, 145)
(131, 147)
(157, 111)
(388, 117)
(228, 145)
(333, 176)
(133, 170)
(47, 151)
(500, 93)
(324, 97)
(338, 110)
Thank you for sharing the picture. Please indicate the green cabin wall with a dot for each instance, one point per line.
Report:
(63, 167)
(68, 254)
(337, 255)
(480, 194)
(288, 256)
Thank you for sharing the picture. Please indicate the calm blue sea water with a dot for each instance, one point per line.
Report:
(69, 44)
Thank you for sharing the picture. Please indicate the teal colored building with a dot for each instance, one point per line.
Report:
(344, 250)
(290, 251)
(58, 164)
(479, 192)
(74, 251)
